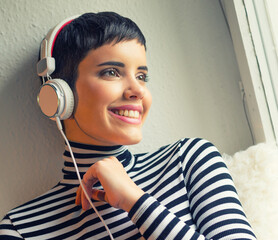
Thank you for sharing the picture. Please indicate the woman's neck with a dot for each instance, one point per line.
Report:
(88, 154)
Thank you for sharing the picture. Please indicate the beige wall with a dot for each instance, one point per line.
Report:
(194, 82)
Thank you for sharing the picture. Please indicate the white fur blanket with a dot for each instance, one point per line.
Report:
(255, 174)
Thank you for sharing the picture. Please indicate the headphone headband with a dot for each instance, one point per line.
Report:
(46, 65)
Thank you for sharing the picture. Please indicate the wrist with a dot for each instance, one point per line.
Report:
(132, 197)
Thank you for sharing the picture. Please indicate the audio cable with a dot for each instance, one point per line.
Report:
(59, 125)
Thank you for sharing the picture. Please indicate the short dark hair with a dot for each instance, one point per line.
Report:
(87, 32)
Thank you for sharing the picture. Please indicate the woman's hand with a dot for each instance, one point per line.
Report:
(119, 190)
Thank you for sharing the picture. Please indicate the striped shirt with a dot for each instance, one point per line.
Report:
(189, 194)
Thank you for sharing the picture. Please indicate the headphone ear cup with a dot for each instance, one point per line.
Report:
(68, 99)
(56, 99)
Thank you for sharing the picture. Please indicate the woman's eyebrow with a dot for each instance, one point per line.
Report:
(143, 68)
(111, 63)
(120, 64)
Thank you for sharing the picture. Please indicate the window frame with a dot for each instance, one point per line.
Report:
(254, 44)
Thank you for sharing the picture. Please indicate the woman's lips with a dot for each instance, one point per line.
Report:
(128, 113)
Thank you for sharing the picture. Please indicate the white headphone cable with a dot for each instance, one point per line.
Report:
(59, 125)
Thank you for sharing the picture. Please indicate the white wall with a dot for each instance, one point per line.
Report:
(194, 82)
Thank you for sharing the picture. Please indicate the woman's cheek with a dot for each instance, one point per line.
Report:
(108, 92)
(147, 102)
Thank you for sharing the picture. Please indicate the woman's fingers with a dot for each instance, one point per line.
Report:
(119, 190)
(78, 196)
(99, 195)
(84, 201)
(95, 194)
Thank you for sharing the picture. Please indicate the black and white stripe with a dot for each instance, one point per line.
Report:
(189, 195)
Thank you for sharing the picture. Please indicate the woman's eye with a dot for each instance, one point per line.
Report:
(109, 73)
(143, 77)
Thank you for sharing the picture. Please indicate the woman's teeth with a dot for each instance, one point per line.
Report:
(127, 113)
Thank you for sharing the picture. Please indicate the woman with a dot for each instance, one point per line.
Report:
(181, 191)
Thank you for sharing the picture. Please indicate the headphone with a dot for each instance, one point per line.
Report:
(55, 97)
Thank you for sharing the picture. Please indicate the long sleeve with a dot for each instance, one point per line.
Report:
(213, 201)
(7, 230)
(155, 221)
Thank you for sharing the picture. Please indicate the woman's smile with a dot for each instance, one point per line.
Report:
(128, 113)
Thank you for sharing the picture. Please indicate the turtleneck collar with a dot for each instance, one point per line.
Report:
(86, 155)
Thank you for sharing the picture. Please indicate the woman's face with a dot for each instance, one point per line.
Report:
(112, 98)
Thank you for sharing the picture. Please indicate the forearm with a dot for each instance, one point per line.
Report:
(155, 221)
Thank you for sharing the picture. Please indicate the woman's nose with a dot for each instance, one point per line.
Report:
(134, 90)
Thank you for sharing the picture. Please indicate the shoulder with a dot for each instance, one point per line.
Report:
(196, 154)
(190, 149)
(36, 206)
(194, 149)
(196, 146)
(187, 150)
(201, 159)
(8, 230)
(184, 145)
